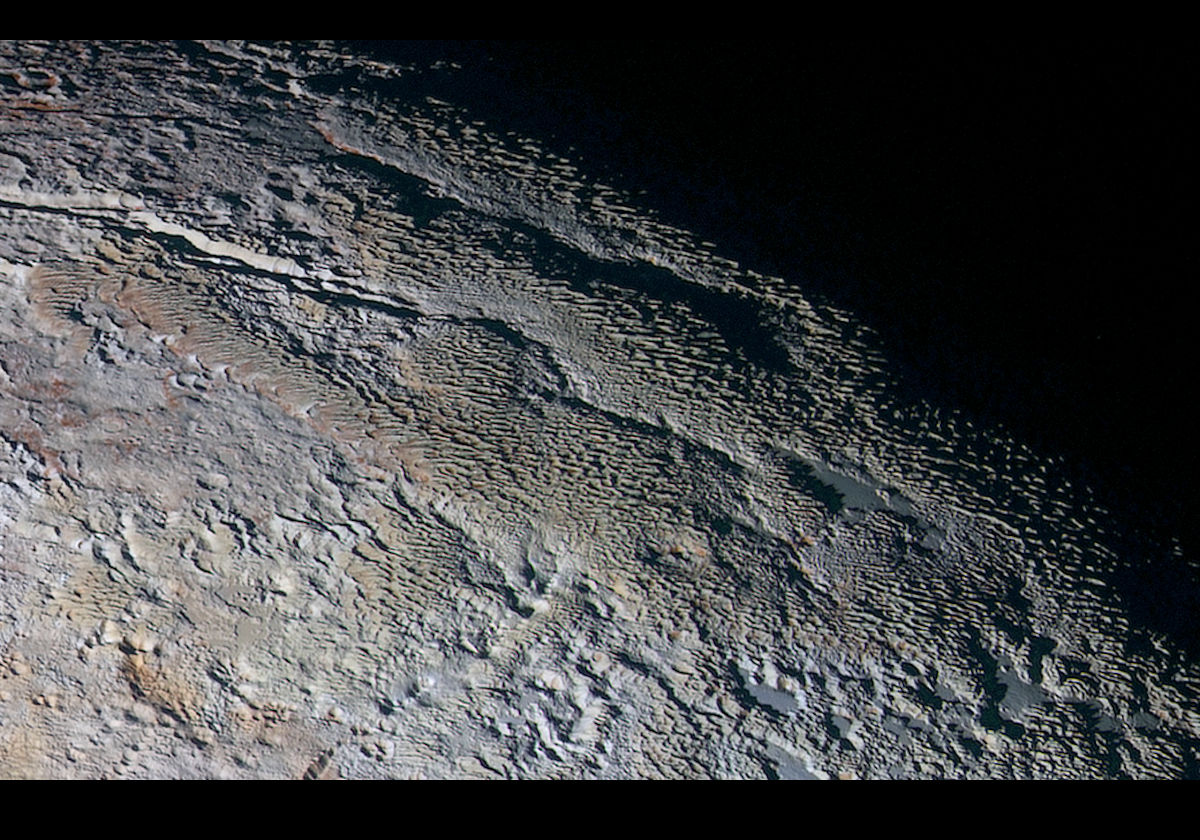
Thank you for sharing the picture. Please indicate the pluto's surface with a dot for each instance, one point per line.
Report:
(351, 436)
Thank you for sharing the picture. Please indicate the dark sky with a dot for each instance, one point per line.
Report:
(1010, 218)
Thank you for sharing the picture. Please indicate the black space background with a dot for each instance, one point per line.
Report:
(1015, 221)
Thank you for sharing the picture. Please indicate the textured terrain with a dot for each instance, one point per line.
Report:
(342, 435)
